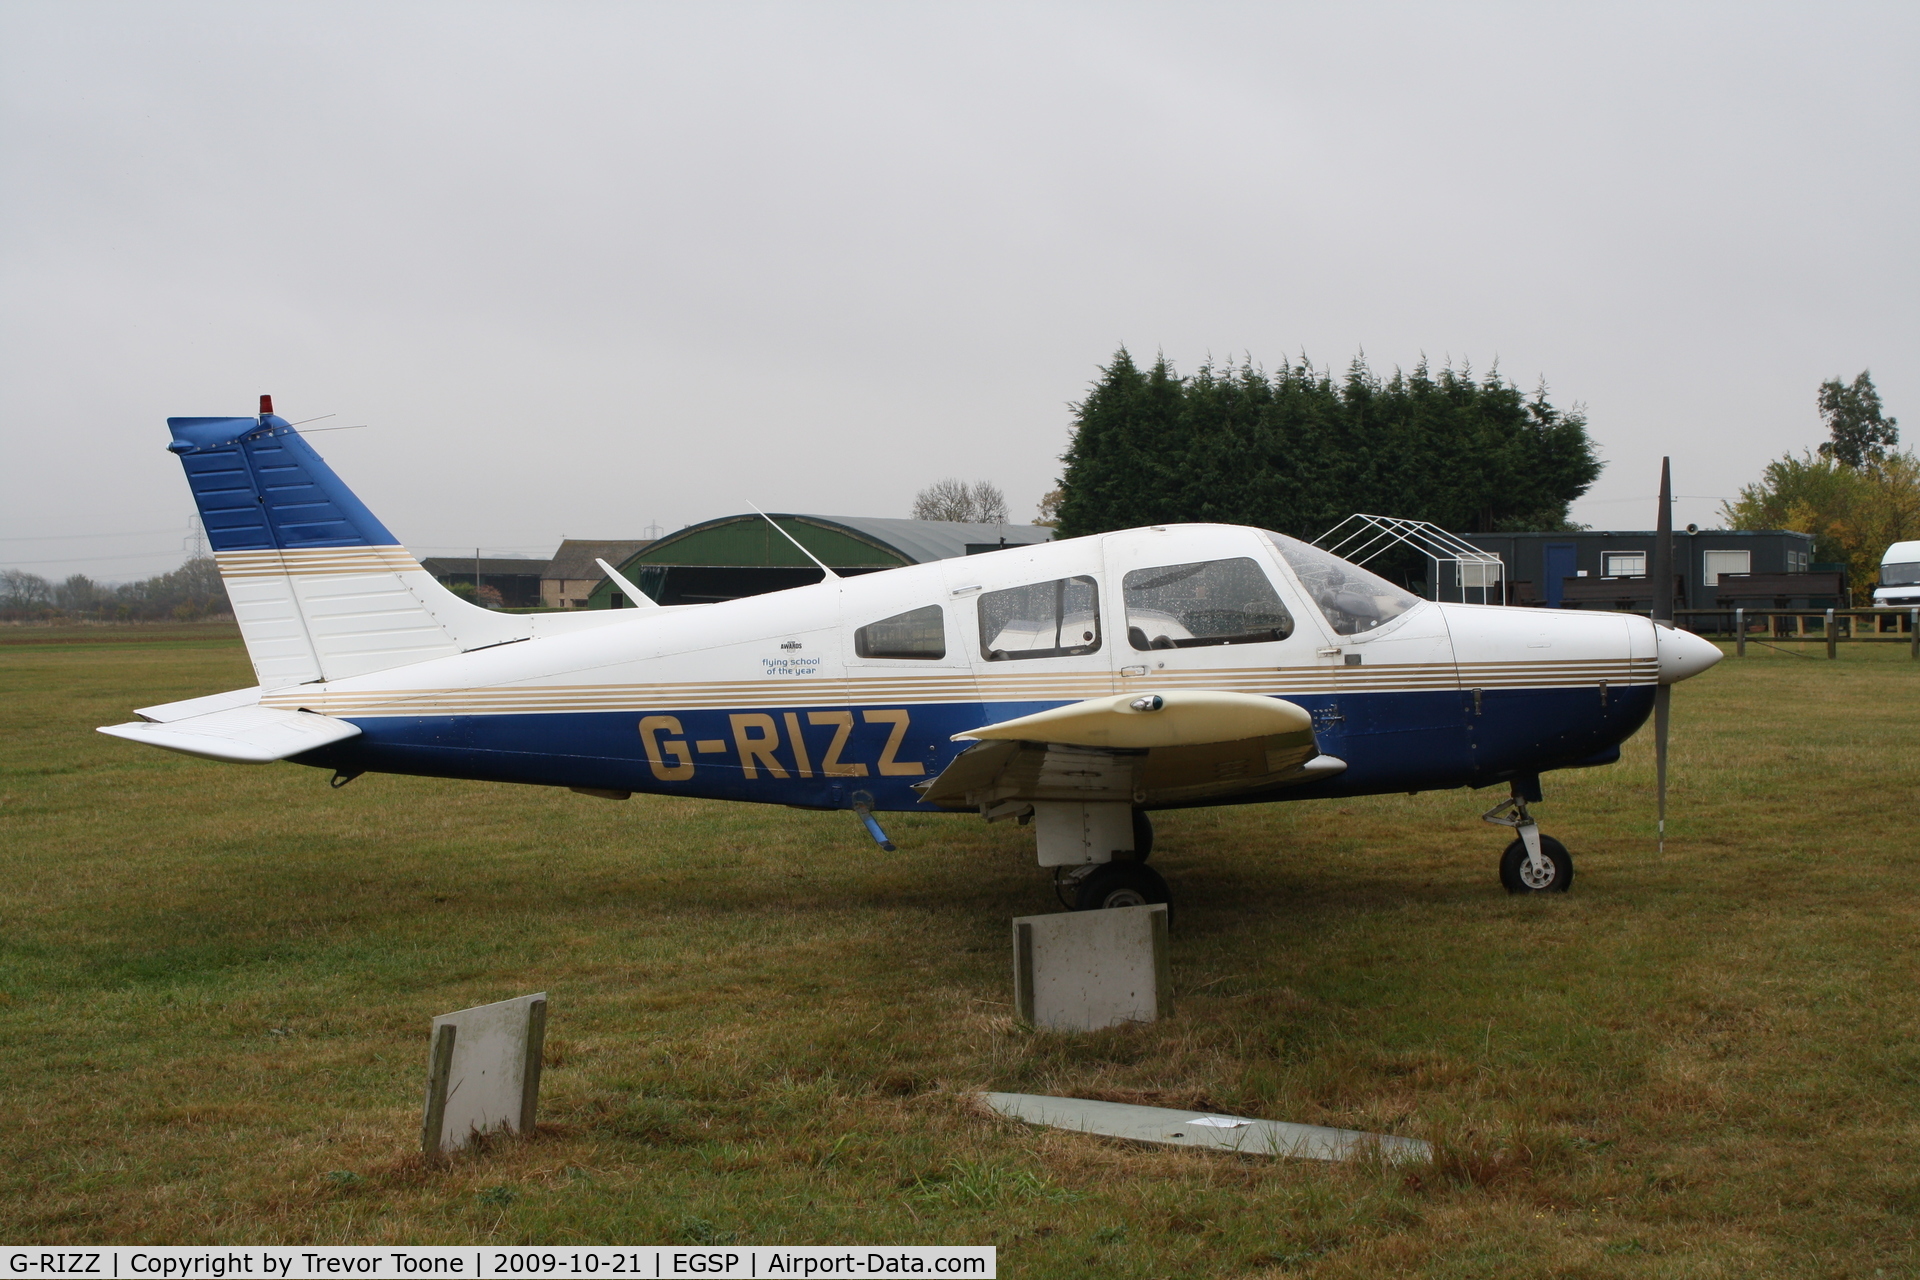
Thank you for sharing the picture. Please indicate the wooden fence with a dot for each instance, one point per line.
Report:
(1835, 626)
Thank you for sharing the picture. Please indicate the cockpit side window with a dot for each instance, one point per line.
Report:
(1354, 600)
(917, 633)
(1045, 620)
(1185, 606)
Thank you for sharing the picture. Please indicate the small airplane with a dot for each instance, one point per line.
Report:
(1076, 685)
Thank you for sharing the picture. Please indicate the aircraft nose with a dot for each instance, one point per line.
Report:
(1683, 654)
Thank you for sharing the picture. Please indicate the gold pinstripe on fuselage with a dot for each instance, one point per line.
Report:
(902, 687)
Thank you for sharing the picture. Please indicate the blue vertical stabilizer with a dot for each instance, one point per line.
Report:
(260, 487)
(319, 587)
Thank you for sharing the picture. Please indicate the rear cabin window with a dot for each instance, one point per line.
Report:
(1185, 606)
(1046, 620)
(917, 633)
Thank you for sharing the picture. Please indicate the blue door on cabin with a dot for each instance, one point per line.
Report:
(1558, 565)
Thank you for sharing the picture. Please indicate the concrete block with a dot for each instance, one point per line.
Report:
(483, 1072)
(1199, 1129)
(1083, 970)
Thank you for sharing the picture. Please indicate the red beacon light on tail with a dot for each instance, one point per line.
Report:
(266, 405)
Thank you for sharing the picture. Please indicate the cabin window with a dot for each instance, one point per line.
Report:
(1716, 563)
(1623, 564)
(1185, 606)
(1046, 620)
(1352, 599)
(917, 633)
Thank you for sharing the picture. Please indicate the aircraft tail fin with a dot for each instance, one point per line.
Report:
(319, 586)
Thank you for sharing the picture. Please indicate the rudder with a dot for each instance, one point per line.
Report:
(320, 588)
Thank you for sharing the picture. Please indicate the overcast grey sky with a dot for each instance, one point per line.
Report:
(585, 267)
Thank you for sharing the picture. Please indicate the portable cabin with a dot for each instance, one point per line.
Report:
(1610, 569)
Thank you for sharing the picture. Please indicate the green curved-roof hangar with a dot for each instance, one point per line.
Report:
(742, 555)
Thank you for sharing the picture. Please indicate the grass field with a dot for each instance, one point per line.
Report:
(216, 981)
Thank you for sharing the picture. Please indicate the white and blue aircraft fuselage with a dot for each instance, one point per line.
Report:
(1076, 684)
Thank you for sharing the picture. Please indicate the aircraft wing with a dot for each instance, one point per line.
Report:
(239, 735)
(1143, 748)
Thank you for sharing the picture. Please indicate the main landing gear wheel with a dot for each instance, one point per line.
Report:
(1119, 884)
(1142, 839)
(1556, 876)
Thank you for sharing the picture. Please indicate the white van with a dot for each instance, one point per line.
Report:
(1899, 575)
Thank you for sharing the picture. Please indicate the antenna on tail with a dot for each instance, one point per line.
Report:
(796, 542)
(639, 598)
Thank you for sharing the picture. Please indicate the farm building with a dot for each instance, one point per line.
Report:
(743, 555)
(571, 576)
(515, 578)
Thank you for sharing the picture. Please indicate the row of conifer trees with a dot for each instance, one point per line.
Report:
(1298, 450)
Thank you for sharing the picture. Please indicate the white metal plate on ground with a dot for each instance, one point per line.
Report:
(484, 1071)
(1199, 1129)
(1084, 970)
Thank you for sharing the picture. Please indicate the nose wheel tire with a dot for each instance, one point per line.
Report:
(1120, 884)
(1555, 877)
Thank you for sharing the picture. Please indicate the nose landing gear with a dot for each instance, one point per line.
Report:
(1533, 863)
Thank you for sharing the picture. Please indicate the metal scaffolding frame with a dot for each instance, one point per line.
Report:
(1361, 538)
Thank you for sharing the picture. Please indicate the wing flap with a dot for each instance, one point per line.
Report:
(239, 735)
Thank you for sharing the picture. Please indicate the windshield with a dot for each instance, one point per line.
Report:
(1900, 575)
(1353, 599)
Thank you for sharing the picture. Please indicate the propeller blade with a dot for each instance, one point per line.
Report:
(1662, 706)
(1662, 617)
(1663, 550)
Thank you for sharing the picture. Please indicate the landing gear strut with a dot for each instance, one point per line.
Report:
(1098, 850)
(1534, 863)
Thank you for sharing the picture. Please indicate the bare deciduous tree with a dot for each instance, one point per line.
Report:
(978, 503)
(193, 590)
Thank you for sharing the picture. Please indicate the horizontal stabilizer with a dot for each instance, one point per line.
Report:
(1183, 718)
(167, 712)
(242, 735)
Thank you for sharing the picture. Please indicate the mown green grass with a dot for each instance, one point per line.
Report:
(216, 981)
